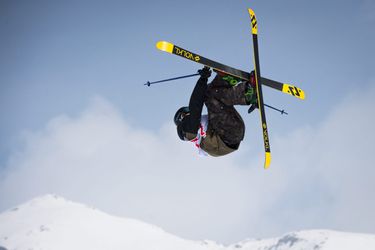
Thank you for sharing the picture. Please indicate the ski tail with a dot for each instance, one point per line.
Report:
(165, 46)
(254, 31)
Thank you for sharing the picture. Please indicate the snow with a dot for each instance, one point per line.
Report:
(52, 223)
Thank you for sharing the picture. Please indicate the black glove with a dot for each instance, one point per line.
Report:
(205, 72)
(252, 107)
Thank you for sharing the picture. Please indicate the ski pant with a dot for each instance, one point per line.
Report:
(224, 120)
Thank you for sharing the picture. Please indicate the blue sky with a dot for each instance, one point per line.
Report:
(65, 64)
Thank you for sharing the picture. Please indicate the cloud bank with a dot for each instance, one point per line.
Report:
(321, 176)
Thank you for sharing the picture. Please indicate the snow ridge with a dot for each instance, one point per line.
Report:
(50, 222)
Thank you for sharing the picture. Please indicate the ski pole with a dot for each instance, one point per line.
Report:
(170, 79)
(196, 74)
(281, 111)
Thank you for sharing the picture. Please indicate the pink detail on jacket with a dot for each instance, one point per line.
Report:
(201, 134)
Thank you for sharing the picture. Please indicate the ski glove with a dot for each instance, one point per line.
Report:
(205, 72)
(252, 107)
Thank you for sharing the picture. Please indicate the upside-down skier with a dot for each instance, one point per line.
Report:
(221, 131)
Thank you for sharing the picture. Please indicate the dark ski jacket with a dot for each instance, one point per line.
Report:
(225, 126)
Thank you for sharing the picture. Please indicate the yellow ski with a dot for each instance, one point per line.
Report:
(254, 31)
(176, 50)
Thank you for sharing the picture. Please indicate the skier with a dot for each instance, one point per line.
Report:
(221, 131)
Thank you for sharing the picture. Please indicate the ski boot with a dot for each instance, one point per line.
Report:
(231, 80)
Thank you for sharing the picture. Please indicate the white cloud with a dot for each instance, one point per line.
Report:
(99, 159)
(320, 176)
(330, 169)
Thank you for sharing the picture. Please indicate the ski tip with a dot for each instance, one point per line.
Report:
(294, 91)
(254, 24)
(165, 46)
(251, 12)
(268, 160)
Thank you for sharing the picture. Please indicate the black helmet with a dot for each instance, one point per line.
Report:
(180, 114)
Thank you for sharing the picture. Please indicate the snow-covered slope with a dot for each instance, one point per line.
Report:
(51, 222)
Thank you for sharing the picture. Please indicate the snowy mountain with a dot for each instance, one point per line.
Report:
(52, 223)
